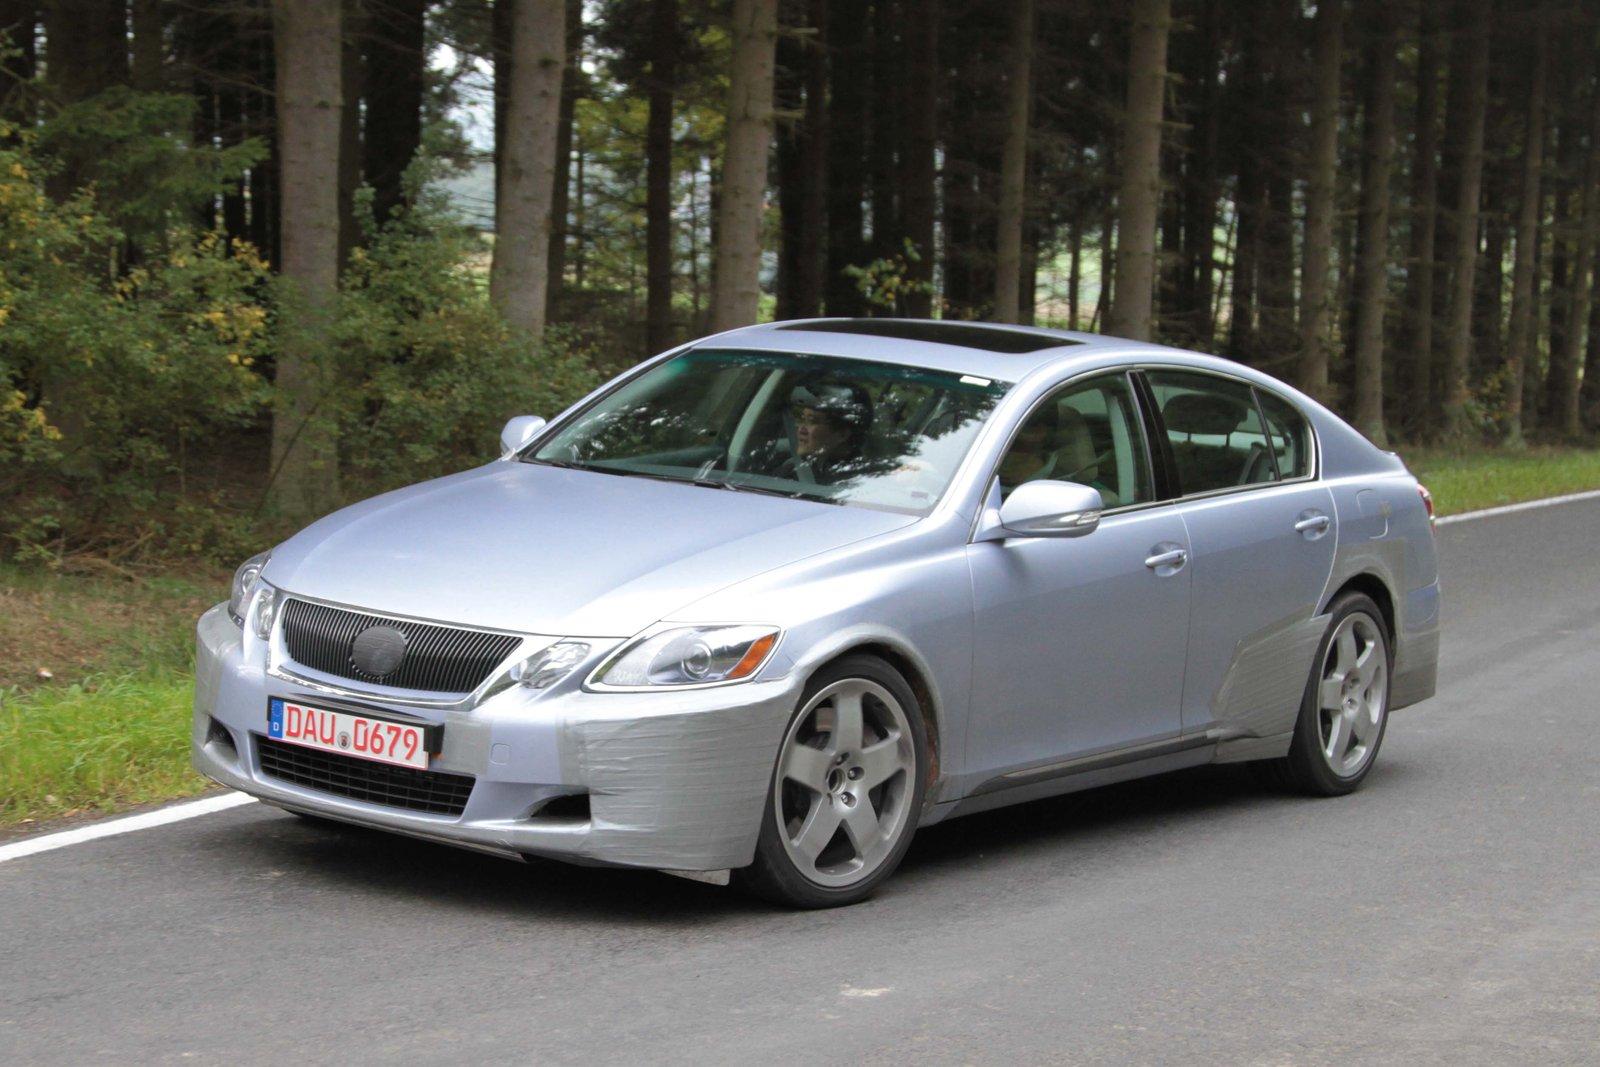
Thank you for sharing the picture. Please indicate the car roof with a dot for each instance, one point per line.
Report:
(1001, 352)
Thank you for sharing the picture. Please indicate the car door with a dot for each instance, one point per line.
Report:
(1079, 642)
(1262, 534)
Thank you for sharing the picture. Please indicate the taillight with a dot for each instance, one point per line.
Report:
(1427, 499)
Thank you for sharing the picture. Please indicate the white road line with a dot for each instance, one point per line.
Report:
(1529, 505)
(111, 827)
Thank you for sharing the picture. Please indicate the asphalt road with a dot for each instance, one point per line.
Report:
(1448, 912)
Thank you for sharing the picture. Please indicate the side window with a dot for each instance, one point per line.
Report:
(1087, 433)
(1290, 435)
(1215, 430)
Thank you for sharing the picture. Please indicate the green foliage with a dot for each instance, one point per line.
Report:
(146, 177)
(135, 365)
(435, 371)
(134, 391)
(887, 282)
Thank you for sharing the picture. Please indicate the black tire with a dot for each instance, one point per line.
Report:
(1304, 769)
(773, 875)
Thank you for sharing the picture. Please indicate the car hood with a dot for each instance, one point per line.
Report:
(527, 547)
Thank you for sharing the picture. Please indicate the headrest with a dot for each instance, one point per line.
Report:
(1076, 451)
(1205, 413)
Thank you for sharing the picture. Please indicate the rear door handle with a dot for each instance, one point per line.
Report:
(1312, 522)
(1175, 558)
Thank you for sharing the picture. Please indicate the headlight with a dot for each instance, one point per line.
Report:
(244, 580)
(266, 609)
(690, 655)
(549, 665)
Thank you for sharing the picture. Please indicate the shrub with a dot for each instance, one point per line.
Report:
(434, 370)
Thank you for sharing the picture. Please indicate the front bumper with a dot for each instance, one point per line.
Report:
(675, 780)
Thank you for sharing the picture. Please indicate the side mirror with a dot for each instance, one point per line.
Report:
(1045, 509)
(518, 432)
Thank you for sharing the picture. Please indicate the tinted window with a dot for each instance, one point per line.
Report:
(844, 431)
(1086, 433)
(1215, 430)
(1291, 436)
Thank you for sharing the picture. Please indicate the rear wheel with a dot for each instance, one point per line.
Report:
(1345, 709)
(846, 789)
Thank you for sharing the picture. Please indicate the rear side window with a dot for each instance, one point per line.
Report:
(1290, 434)
(1215, 431)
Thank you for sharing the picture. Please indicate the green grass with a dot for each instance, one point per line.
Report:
(1466, 481)
(109, 728)
(95, 746)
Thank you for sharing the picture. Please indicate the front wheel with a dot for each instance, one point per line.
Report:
(1345, 710)
(846, 789)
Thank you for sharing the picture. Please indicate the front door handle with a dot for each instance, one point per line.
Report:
(1173, 558)
(1315, 521)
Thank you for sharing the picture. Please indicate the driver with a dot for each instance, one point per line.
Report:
(831, 422)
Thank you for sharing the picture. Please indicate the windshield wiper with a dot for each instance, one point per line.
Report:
(704, 483)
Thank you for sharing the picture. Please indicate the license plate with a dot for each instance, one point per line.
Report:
(348, 733)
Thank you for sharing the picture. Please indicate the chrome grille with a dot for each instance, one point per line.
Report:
(441, 659)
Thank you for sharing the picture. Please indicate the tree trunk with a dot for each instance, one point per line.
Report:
(1074, 272)
(305, 475)
(1415, 371)
(1014, 164)
(1139, 195)
(352, 76)
(1565, 414)
(1459, 340)
(149, 53)
(736, 275)
(1520, 350)
(19, 23)
(501, 16)
(813, 171)
(918, 169)
(658, 175)
(266, 231)
(1323, 166)
(517, 278)
(86, 54)
(846, 158)
(1199, 193)
(395, 62)
(882, 130)
(1372, 267)
(561, 195)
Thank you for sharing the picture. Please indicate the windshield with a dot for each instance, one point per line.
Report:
(844, 431)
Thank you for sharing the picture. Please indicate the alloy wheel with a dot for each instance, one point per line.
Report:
(1353, 694)
(845, 781)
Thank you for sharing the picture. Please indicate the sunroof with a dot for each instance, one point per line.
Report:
(988, 338)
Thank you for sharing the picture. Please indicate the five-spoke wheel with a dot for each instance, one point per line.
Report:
(1352, 694)
(846, 789)
(1341, 721)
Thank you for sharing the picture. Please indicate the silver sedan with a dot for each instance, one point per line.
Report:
(764, 605)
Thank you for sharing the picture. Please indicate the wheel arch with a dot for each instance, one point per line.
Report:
(916, 678)
(1373, 586)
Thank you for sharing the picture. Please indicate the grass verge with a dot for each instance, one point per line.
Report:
(96, 685)
(1468, 481)
(95, 746)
